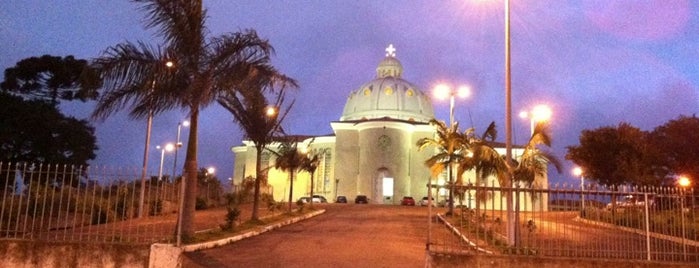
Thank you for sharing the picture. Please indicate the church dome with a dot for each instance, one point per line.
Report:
(388, 96)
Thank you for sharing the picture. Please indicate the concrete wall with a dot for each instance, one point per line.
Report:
(482, 260)
(48, 254)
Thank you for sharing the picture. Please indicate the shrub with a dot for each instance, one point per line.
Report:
(156, 207)
(231, 218)
(230, 198)
(201, 204)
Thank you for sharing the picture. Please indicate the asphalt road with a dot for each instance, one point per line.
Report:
(347, 235)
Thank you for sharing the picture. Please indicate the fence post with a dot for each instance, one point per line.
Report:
(645, 198)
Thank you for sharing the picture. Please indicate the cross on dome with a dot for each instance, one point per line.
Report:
(390, 51)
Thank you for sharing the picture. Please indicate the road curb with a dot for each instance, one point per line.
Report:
(228, 240)
(168, 255)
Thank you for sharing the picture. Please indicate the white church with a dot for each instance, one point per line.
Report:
(373, 150)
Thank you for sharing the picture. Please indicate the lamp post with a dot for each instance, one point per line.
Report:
(508, 127)
(178, 144)
(149, 126)
(209, 172)
(578, 172)
(540, 113)
(442, 91)
(168, 147)
(683, 182)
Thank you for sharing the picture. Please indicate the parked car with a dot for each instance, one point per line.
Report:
(443, 202)
(407, 201)
(425, 201)
(361, 199)
(319, 199)
(316, 199)
(341, 199)
(629, 202)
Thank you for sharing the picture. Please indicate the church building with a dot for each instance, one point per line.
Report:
(373, 150)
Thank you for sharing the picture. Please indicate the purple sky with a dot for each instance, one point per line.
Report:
(595, 62)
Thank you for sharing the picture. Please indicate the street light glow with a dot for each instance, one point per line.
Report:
(271, 111)
(442, 91)
(577, 171)
(169, 64)
(211, 170)
(541, 113)
(684, 181)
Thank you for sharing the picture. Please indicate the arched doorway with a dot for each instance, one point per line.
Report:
(383, 187)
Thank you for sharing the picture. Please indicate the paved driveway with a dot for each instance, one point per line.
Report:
(347, 235)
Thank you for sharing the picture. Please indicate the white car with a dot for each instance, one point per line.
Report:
(424, 202)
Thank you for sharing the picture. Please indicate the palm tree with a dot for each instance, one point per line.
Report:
(532, 163)
(451, 147)
(289, 159)
(204, 68)
(260, 119)
(485, 160)
(310, 164)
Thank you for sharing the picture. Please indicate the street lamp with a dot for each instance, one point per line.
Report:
(578, 172)
(168, 147)
(443, 91)
(178, 144)
(540, 113)
(209, 172)
(149, 126)
(683, 182)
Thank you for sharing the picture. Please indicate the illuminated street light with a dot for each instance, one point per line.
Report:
(209, 172)
(443, 91)
(271, 111)
(683, 182)
(178, 144)
(578, 172)
(540, 113)
(169, 148)
(149, 126)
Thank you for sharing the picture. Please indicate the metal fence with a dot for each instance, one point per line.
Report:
(71, 203)
(644, 223)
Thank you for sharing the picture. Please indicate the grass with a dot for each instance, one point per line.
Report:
(247, 226)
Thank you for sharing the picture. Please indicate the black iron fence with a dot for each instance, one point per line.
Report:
(638, 223)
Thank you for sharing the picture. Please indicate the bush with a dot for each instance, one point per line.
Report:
(231, 218)
(156, 207)
(230, 198)
(201, 204)
(274, 206)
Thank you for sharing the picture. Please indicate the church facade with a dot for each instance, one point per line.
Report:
(373, 150)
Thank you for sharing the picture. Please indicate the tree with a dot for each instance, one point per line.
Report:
(50, 78)
(534, 160)
(33, 131)
(260, 119)
(291, 160)
(310, 164)
(675, 145)
(204, 69)
(486, 161)
(451, 147)
(614, 155)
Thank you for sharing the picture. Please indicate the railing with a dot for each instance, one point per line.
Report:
(70, 203)
(659, 224)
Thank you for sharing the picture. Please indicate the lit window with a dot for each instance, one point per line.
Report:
(388, 91)
(367, 92)
(410, 93)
